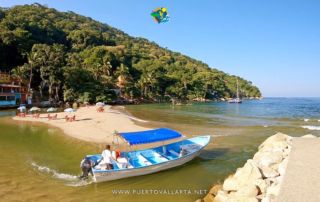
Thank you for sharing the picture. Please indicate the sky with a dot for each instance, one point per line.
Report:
(275, 44)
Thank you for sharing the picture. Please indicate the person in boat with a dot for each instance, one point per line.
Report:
(107, 158)
(121, 161)
(86, 166)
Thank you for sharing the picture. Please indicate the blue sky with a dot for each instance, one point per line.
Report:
(275, 44)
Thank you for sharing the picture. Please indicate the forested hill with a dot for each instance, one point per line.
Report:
(73, 57)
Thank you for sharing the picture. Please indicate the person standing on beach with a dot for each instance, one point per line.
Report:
(107, 158)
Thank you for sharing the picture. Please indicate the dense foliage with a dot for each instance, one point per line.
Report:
(67, 56)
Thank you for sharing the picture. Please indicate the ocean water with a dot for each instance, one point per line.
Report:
(40, 163)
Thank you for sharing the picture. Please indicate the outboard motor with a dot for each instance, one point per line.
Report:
(86, 167)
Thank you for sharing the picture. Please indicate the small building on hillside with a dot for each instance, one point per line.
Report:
(12, 93)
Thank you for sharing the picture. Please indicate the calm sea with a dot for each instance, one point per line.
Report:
(41, 164)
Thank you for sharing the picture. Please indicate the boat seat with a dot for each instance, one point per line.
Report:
(144, 160)
(161, 156)
(174, 153)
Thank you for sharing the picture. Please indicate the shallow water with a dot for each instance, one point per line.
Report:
(41, 164)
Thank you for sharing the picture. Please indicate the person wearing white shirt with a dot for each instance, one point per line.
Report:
(107, 158)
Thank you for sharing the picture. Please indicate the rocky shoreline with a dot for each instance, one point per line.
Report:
(260, 178)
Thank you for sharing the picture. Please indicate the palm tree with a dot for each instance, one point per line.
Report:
(123, 77)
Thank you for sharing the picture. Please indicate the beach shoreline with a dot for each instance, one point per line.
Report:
(90, 125)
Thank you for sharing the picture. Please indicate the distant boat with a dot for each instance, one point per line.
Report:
(236, 100)
(147, 161)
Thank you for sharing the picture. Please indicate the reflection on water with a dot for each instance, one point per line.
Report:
(42, 164)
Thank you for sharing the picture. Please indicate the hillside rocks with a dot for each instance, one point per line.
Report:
(260, 178)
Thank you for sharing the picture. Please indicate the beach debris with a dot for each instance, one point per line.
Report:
(160, 15)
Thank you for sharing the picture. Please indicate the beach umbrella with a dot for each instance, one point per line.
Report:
(33, 109)
(21, 108)
(52, 109)
(100, 104)
(69, 110)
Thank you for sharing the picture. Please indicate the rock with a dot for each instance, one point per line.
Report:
(262, 186)
(275, 146)
(248, 174)
(273, 189)
(268, 172)
(212, 193)
(221, 197)
(283, 166)
(278, 180)
(230, 184)
(286, 152)
(267, 158)
(199, 200)
(279, 137)
(275, 166)
(265, 199)
(270, 181)
(249, 190)
(309, 136)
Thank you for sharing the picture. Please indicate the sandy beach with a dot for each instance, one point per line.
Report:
(90, 125)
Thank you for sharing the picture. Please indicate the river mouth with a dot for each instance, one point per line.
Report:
(41, 163)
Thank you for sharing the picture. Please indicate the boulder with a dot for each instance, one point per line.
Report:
(221, 197)
(286, 152)
(283, 166)
(262, 186)
(266, 199)
(267, 158)
(309, 136)
(273, 190)
(230, 184)
(249, 190)
(212, 193)
(275, 146)
(279, 137)
(270, 181)
(278, 180)
(268, 172)
(248, 174)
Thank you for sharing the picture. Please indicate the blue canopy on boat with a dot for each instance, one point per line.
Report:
(150, 136)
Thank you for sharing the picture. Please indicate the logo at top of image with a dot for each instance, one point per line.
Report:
(160, 15)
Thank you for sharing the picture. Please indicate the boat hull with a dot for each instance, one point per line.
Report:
(102, 176)
(147, 161)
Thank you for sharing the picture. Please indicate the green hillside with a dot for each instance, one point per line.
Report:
(73, 57)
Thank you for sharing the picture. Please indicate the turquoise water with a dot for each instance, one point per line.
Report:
(42, 164)
(269, 111)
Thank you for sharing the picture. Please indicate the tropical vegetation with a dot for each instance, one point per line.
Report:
(66, 56)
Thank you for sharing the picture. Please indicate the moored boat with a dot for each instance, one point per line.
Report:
(147, 161)
(236, 100)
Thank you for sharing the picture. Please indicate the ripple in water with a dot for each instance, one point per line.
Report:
(311, 127)
(71, 180)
